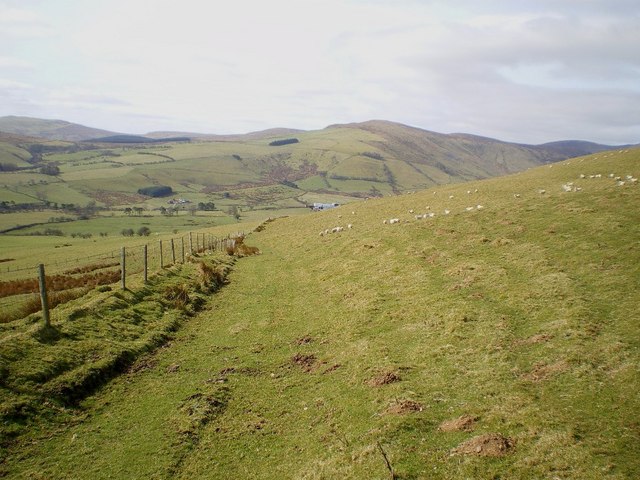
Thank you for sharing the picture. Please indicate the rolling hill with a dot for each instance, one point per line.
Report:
(255, 172)
(497, 338)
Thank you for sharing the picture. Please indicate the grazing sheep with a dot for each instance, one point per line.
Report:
(451, 197)
(567, 188)
(418, 217)
(582, 175)
(411, 211)
(431, 215)
(394, 220)
(468, 209)
(516, 195)
(620, 183)
(336, 229)
(542, 191)
(611, 175)
(384, 221)
(353, 213)
(479, 207)
(350, 226)
(446, 212)
(468, 192)
(634, 180)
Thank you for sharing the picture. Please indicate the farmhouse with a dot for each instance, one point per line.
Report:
(317, 207)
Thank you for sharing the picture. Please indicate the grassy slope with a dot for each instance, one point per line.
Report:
(523, 315)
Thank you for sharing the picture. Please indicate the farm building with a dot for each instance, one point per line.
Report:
(324, 206)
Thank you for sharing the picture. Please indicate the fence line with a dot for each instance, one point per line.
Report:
(63, 283)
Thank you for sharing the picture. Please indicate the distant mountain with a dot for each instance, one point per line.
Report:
(50, 129)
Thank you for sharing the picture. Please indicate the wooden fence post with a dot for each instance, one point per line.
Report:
(44, 300)
(182, 241)
(123, 268)
(191, 243)
(173, 252)
(145, 263)
(161, 259)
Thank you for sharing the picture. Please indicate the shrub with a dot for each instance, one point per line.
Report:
(127, 232)
(144, 231)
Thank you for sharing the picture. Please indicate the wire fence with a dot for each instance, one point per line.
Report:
(47, 285)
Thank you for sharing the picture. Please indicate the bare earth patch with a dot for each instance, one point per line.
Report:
(384, 378)
(487, 445)
(544, 371)
(464, 423)
(306, 362)
(402, 407)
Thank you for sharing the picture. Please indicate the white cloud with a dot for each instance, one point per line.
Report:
(523, 71)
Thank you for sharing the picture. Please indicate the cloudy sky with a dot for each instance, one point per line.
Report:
(526, 71)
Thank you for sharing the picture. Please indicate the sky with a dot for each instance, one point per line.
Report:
(521, 71)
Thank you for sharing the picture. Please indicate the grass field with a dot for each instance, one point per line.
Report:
(326, 354)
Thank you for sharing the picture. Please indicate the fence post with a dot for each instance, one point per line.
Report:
(182, 241)
(44, 300)
(123, 268)
(173, 252)
(191, 243)
(161, 259)
(145, 262)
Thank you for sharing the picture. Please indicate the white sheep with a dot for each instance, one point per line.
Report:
(451, 197)
(349, 226)
(384, 221)
(447, 212)
(468, 209)
(516, 195)
(479, 207)
(542, 191)
(411, 211)
(394, 220)
(336, 229)
(620, 183)
(418, 217)
(431, 215)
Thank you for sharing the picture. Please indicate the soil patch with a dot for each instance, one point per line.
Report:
(465, 423)
(487, 445)
(384, 378)
(306, 362)
(307, 339)
(543, 371)
(402, 407)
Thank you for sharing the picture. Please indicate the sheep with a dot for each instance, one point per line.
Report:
(582, 175)
(353, 213)
(418, 217)
(468, 209)
(611, 175)
(411, 211)
(542, 191)
(431, 215)
(394, 220)
(634, 180)
(479, 207)
(451, 197)
(567, 188)
(620, 183)
(468, 192)
(446, 212)
(336, 229)
(598, 175)
(350, 226)
(629, 177)
(516, 195)
(384, 221)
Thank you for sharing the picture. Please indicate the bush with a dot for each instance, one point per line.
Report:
(127, 232)
(144, 231)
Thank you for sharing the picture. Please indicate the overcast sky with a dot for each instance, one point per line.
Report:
(525, 71)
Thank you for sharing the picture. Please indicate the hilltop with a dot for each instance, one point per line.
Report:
(496, 338)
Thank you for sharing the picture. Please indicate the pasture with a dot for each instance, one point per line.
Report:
(493, 342)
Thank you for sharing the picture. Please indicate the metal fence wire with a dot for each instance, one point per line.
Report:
(20, 290)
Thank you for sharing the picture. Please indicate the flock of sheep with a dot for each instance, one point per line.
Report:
(567, 187)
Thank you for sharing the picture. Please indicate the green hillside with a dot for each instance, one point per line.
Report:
(498, 340)
(341, 163)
